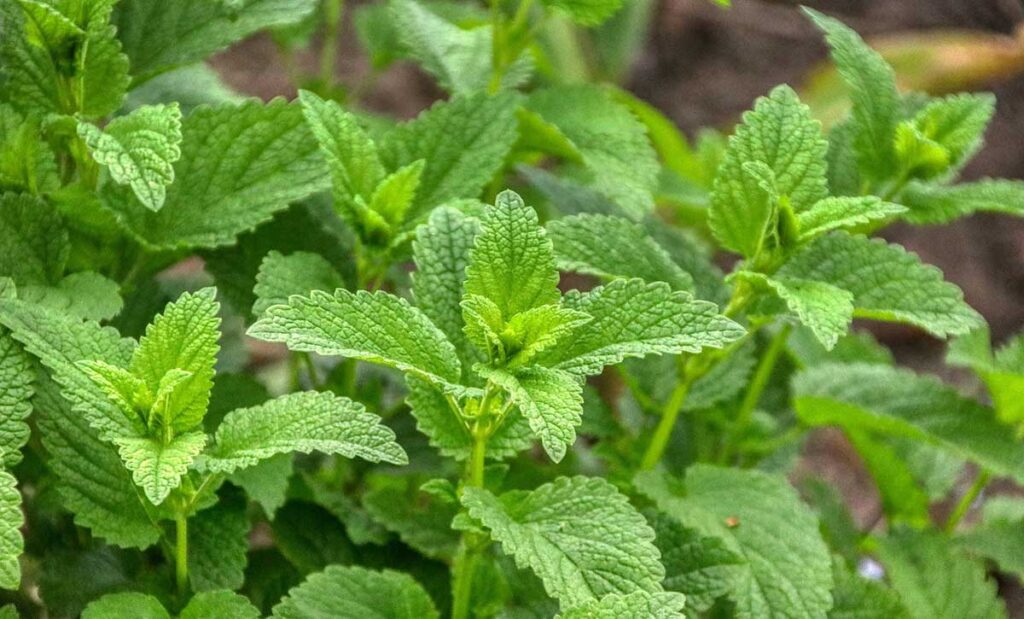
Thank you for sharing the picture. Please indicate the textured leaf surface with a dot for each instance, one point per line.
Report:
(305, 422)
(128, 604)
(84, 294)
(825, 309)
(101, 67)
(157, 467)
(636, 605)
(612, 144)
(219, 604)
(780, 135)
(139, 150)
(895, 401)
(11, 522)
(267, 481)
(267, 157)
(876, 102)
(632, 318)
(218, 543)
(376, 327)
(887, 282)
(579, 535)
(33, 242)
(612, 247)
(935, 579)
(357, 593)
(956, 124)
(464, 142)
(512, 262)
(300, 273)
(16, 389)
(859, 598)
(448, 433)
(939, 204)
(421, 521)
(158, 37)
(550, 400)
(761, 518)
(843, 212)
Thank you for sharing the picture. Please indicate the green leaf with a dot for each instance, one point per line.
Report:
(611, 247)
(100, 67)
(587, 12)
(157, 467)
(1002, 372)
(190, 86)
(825, 309)
(267, 158)
(550, 400)
(464, 142)
(939, 204)
(761, 518)
(27, 161)
(538, 329)
(702, 567)
(843, 213)
(780, 135)
(219, 604)
(579, 535)
(512, 263)
(859, 598)
(449, 434)
(889, 400)
(1000, 536)
(311, 537)
(299, 273)
(139, 150)
(84, 294)
(266, 482)
(612, 145)
(16, 389)
(421, 521)
(48, 28)
(955, 124)
(356, 593)
(876, 102)
(887, 282)
(304, 422)
(218, 543)
(158, 37)
(33, 239)
(632, 318)
(11, 521)
(128, 604)
(636, 605)
(441, 252)
(183, 337)
(903, 499)
(376, 327)
(935, 579)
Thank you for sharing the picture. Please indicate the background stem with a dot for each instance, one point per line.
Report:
(181, 553)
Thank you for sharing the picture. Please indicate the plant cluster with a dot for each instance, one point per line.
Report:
(473, 407)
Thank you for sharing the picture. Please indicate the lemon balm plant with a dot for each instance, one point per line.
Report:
(291, 359)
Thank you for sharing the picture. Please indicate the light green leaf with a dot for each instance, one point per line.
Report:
(376, 327)
(935, 579)
(267, 158)
(16, 390)
(903, 499)
(139, 150)
(356, 593)
(579, 535)
(449, 434)
(463, 141)
(512, 263)
(887, 282)
(304, 422)
(157, 467)
(394, 196)
(538, 329)
(632, 318)
(845, 212)
(612, 145)
(780, 135)
(889, 400)
(100, 67)
(1002, 372)
(183, 337)
(34, 244)
(550, 400)
(611, 247)
(825, 309)
(636, 605)
(441, 252)
(1000, 536)
(130, 394)
(939, 204)
(128, 604)
(859, 598)
(955, 124)
(218, 605)
(299, 273)
(84, 294)
(11, 522)
(48, 28)
(876, 102)
(217, 546)
(761, 518)
(158, 37)
(587, 12)
(266, 482)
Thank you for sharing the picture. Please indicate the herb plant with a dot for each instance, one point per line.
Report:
(293, 359)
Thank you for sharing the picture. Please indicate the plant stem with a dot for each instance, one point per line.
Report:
(967, 500)
(754, 391)
(314, 377)
(329, 49)
(662, 434)
(181, 553)
(472, 543)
